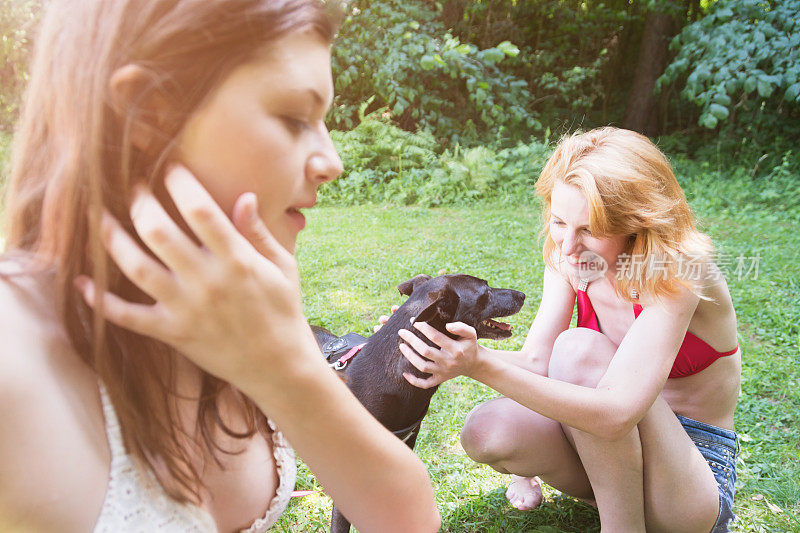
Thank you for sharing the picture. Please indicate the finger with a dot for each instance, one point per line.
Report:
(435, 335)
(383, 319)
(162, 235)
(144, 271)
(422, 383)
(420, 346)
(462, 330)
(139, 318)
(416, 361)
(395, 308)
(205, 218)
(247, 221)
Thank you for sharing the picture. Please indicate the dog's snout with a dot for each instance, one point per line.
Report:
(510, 299)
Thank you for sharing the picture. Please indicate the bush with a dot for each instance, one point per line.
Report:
(400, 55)
(742, 56)
(385, 164)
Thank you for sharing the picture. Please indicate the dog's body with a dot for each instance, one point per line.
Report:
(375, 374)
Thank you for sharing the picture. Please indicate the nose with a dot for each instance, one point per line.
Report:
(325, 164)
(571, 243)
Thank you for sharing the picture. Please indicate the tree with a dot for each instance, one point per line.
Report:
(744, 56)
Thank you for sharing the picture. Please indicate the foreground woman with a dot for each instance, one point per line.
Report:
(143, 390)
(633, 409)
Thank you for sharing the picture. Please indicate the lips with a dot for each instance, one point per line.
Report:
(297, 218)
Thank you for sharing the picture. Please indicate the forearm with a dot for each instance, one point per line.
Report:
(521, 359)
(375, 479)
(596, 411)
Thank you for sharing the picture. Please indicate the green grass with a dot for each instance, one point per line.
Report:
(352, 259)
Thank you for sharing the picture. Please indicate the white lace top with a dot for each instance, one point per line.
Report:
(135, 502)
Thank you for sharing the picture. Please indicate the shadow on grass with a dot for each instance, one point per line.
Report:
(490, 512)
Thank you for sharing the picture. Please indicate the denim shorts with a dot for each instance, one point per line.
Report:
(718, 447)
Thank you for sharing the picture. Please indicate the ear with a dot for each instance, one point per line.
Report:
(132, 94)
(407, 287)
(442, 308)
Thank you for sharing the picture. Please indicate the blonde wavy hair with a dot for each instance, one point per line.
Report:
(631, 190)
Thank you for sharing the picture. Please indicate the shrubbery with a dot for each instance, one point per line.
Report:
(385, 164)
(398, 54)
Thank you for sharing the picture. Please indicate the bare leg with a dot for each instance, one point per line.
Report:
(512, 439)
(654, 475)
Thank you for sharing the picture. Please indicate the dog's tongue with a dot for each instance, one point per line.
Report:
(499, 325)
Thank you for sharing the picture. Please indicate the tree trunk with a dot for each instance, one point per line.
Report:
(641, 111)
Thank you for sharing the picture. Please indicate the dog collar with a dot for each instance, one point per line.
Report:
(341, 363)
(405, 433)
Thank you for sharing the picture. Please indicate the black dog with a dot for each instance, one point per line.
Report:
(375, 373)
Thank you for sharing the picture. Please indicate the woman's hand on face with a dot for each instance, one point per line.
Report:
(231, 305)
(454, 357)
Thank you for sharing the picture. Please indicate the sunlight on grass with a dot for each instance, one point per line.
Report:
(351, 260)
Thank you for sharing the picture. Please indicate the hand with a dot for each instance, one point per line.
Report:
(383, 319)
(231, 305)
(455, 357)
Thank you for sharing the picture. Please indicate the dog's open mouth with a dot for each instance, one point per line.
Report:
(492, 329)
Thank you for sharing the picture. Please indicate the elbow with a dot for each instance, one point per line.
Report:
(618, 428)
(617, 423)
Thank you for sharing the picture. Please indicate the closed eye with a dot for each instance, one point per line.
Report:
(295, 125)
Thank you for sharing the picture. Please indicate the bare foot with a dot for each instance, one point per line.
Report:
(524, 493)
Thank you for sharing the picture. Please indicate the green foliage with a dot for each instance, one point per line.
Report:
(17, 17)
(385, 164)
(743, 55)
(400, 53)
(574, 55)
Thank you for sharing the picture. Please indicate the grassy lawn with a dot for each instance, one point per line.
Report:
(352, 259)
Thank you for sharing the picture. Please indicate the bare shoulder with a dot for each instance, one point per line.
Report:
(49, 421)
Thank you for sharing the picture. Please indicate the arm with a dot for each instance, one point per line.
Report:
(632, 382)
(552, 318)
(233, 307)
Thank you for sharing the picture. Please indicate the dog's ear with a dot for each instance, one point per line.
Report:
(407, 287)
(442, 308)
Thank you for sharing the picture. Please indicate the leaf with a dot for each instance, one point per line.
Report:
(719, 111)
(793, 92)
(722, 99)
(774, 508)
(493, 55)
(764, 88)
(508, 49)
(427, 62)
(750, 84)
(708, 120)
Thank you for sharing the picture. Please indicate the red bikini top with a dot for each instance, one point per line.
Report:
(694, 355)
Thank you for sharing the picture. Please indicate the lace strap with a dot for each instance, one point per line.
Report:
(113, 430)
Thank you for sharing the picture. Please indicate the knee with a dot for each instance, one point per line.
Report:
(580, 356)
(487, 436)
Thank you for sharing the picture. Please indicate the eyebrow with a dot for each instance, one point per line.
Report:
(318, 100)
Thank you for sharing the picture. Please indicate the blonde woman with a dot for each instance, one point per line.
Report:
(633, 409)
(155, 358)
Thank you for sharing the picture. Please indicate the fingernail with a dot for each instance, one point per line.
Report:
(412, 319)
